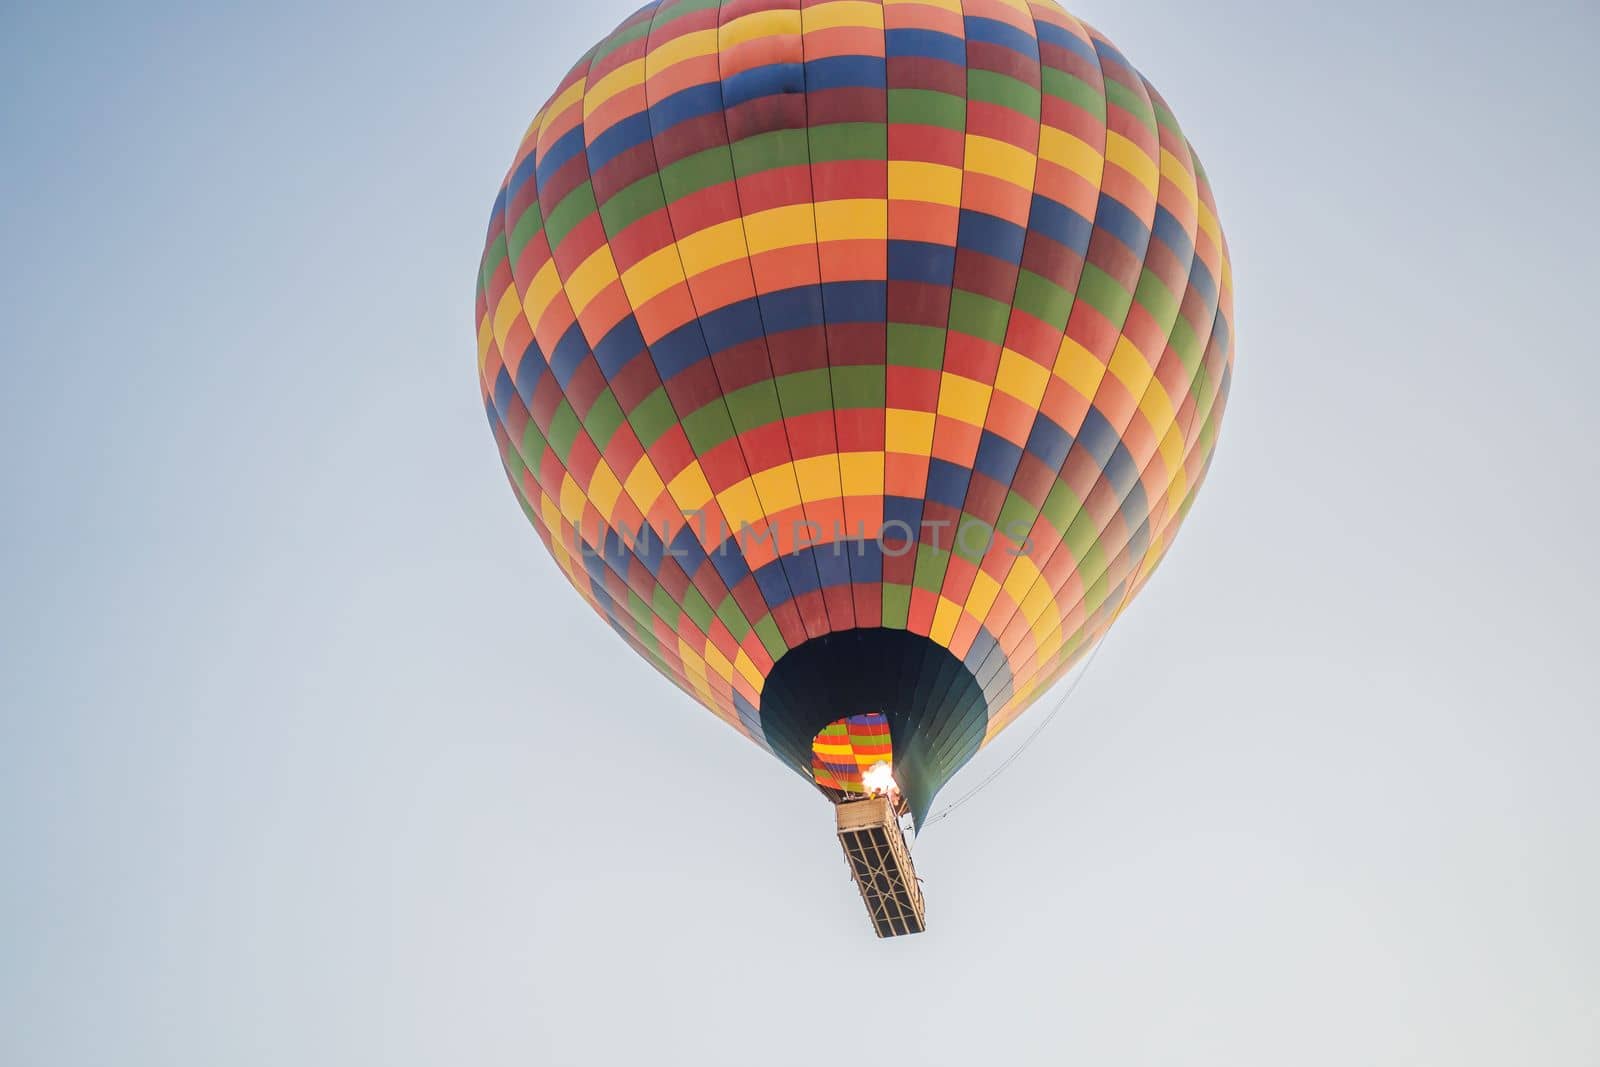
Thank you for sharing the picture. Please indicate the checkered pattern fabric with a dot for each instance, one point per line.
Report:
(802, 316)
(846, 749)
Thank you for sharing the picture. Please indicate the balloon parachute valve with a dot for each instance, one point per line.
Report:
(880, 863)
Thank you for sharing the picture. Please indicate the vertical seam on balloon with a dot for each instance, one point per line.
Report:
(750, 269)
(955, 253)
(998, 632)
(888, 159)
(883, 449)
(650, 352)
(606, 609)
(480, 302)
(649, 49)
(1033, 187)
(1215, 404)
(1130, 578)
(1194, 165)
(1225, 293)
(1072, 300)
(1045, 667)
(598, 550)
(838, 448)
(944, 349)
(915, 546)
(1206, 415)
(699, 325)
(497, 227)
(944, 572)
(679, 415)
(972, 471)
(1018, 683)
(771, 366)
(903, 743)
(1155, 380)
(683, 269)
(822, 302)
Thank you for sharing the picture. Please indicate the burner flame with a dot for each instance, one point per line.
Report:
(879, 780)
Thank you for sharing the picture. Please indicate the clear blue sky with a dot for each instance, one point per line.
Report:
(296, 713)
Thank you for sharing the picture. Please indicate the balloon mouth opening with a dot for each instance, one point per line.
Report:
(836, 706)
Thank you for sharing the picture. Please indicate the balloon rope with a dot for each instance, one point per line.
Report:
(1037, 730)
(1030, 739)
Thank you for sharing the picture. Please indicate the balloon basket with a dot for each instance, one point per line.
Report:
(880, 862)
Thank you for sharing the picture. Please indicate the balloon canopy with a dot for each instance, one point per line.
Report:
(856, 361)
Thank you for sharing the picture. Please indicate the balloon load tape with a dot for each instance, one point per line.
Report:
(880, 862)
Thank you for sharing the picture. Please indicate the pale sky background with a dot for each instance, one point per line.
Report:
(301, 728)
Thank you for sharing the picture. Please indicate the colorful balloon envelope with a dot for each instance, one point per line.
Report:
(857, 362)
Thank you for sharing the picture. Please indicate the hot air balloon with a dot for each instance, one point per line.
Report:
(857, 362)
